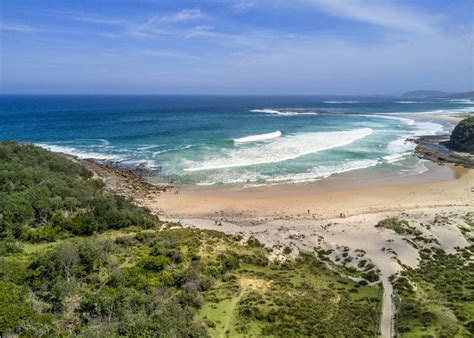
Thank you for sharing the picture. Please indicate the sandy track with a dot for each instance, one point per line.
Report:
(386, 249)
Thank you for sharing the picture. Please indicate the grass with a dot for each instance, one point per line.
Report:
(291, 298)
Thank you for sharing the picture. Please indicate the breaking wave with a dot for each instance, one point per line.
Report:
(258, 137)
(281, 149)
(282, 113)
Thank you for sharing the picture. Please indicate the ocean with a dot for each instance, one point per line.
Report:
(240, 140)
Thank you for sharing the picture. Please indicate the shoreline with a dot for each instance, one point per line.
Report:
(332, 214)
(323, 199)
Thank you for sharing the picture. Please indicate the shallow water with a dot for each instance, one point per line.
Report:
(210, 140)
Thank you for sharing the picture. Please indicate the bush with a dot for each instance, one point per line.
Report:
(45, 197)
(16, 313)
(400, 226)
(153, 263)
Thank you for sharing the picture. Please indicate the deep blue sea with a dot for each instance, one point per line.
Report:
(248, 140)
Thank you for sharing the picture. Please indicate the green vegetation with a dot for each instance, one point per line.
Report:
(44, 197)
(400, 226)
(292, 298)
(437, 299)
(79, 261)
(76, 260)
(462, 138)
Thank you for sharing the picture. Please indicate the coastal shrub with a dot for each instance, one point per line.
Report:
(400, 226)
(153, 263)
(45, 197)
(371, 276)
(229, 261)
(443, 285)
(61, 276)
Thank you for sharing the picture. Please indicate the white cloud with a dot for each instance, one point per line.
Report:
(183, 15)
(383, 13)
(20, 28)
(162, 25)
(242, 6)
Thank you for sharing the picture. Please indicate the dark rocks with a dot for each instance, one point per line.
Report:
(435, 148)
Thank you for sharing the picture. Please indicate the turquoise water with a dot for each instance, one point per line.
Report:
(210, 140)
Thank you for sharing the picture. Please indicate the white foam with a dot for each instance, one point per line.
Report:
(316, 173)
(76, 152)
(282, 149)
(409, 102)
(462, 101)
(401, 147)
(148, 147)
(324, 171)
(171, 149)
(282, 113)
(258, 137)
(266, 111)
(410, 122)
(393, 158)
(438, 111)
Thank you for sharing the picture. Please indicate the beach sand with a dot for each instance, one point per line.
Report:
(441, 185)
(336, 214)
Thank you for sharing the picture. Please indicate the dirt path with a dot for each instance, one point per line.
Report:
(384, 248)
(230, 313)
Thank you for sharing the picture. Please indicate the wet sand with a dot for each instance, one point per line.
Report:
(441, 185)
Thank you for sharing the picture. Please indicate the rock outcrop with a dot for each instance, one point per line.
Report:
(462, 138)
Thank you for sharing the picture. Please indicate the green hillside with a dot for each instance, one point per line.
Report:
(79, 261)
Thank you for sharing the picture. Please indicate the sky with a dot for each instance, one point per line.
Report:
(340, 47)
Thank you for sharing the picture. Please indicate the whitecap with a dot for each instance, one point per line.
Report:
(410, 122)
(281, 149)
(172, 149)
(282, 113)
(462, 101)
(402, 147)
(258, 137)
(410, 102)
(252, 178)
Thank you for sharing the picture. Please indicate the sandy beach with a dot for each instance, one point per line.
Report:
(336, 214)
(326, 199)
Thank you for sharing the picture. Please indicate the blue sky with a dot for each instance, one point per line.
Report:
(235, 47)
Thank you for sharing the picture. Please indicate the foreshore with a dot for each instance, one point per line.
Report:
(325, 199)
(333, 214)
(338, 214)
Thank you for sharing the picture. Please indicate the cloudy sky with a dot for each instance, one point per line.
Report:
(236, 47)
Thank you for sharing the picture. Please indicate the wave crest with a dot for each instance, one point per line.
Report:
(282, 113)
(258, 137)
(282, 149)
